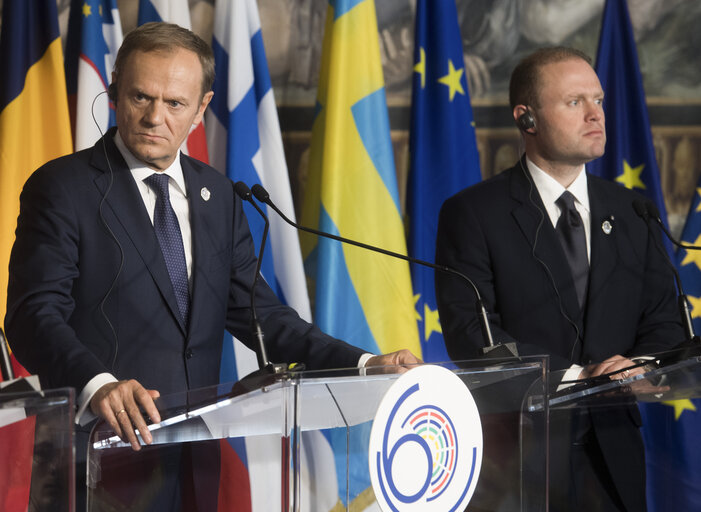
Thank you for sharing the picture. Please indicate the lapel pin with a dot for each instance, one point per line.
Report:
(607, 225)
(205, 193)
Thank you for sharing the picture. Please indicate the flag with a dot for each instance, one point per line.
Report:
(34, 128)
(244, 136)
(94, 36)
(630, 155)
(443, 151)
(361, 297)
(672, 458)
(178, 12)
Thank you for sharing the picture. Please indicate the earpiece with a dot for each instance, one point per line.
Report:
(526, 121)
(112, 92)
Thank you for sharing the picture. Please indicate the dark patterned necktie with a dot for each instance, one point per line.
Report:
(165, 223)
(570, 230)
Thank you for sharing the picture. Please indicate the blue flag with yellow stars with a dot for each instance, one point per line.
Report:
(674, 459)
(669, 428)
(443, 151)
(630, 155)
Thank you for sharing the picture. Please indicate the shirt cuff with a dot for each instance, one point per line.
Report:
(364, 359)
(571, 374)
(84, 414)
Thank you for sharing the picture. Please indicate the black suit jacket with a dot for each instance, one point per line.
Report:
(89, 291)
(498, 234)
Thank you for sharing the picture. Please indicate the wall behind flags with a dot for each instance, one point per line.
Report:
(496, 34)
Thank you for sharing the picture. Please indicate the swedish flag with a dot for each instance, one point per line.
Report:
(443, 149)
(362, 297)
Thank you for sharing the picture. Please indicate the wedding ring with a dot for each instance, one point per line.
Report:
(120, 412)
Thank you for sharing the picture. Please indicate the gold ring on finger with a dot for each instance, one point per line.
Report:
(120, 412)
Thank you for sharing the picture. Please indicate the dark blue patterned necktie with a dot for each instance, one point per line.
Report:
(570, 230)
(170, 239)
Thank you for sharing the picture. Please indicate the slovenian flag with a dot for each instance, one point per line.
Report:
(94, 36)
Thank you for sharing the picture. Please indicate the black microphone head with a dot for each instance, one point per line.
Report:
(260, 193)
(652, 210)
(242, 190)
(641, 209)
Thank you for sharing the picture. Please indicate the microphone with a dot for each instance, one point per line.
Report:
(244, 193)
(654, 213)
(646, 210)
(494, 350)
(6, 365)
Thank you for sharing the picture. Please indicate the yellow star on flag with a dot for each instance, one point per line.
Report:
(698, 208)
(431, 322)
(680, 406)
(693, 256)
(417, 315)
(452, 80)
(631, 176)
(87, 11)
(420, 67)
(695, 306)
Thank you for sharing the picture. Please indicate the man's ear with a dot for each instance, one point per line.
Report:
(203, 106)
(525, 120)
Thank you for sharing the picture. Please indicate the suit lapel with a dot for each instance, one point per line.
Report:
(603, 248)
(203, 215)
(547, 246)
(128, 207)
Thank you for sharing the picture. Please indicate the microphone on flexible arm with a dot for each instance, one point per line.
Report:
(647, 211)
(266, 369)
(493, 350)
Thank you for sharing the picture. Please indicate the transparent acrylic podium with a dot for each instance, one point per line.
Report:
(575, 406)
(279, 422)
(37, 454)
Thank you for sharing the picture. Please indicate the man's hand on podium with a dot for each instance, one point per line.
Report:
(394, 362)
(619, 366)
(120, 404)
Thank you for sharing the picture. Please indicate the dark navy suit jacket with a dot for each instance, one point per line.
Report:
(488, 232)
(89, 291)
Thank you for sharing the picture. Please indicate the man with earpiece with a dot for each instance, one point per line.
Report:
(132, 259)
(566, 268)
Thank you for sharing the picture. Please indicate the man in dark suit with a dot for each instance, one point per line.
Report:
(131, 259)
(577, 278)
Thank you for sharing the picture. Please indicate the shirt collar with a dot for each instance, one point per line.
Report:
(140, 171)
(550, 189)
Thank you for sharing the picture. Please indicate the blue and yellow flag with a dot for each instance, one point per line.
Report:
(34, 124)
(630, 155)
(673, 458)
(362, 297)
(444, 157)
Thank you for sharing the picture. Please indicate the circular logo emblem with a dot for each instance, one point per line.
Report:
(425, 448)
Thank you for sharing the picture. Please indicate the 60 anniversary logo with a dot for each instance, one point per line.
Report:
(425, 448)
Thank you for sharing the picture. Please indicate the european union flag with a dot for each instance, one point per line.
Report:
(630, 155)
(672, 457)
(444, 157)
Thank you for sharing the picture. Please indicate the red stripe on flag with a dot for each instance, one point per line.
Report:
(197, 144)
(16, 452)
(234, 484)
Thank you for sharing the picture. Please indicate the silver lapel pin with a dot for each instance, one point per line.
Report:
(205, 193)
(607, 225)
